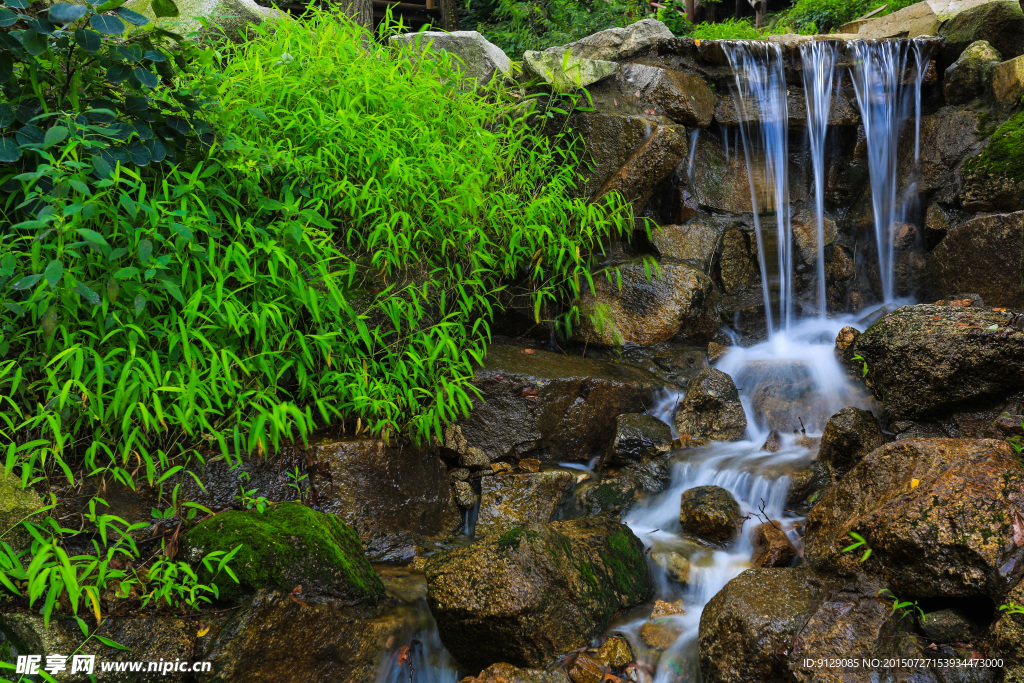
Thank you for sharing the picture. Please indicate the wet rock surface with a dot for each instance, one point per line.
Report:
(711, 514)
(535, 592)
(925, 358)
(850, 435)
(512, 500)
(551, 406)
(506, 673)
(940, 516)
(638, 437)
(772, 548)
(711, 409)
(967, 77)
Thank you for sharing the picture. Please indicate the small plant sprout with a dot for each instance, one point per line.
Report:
(864, 364)
(859, 541)
(902, 607)
(1012, 608)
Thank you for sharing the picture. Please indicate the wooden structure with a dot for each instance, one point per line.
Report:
(440, 14)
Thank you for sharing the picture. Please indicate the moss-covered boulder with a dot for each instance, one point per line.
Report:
(967, 77)
(981, 256)
(649, 307)
(16, 504)
(710, 513)
(711, 409)
(286, 546)
(994, 179)
(1009, 636)
(230, 17)
(1000, 23)
(535, 592)
(943, 518)
(925, 359)
(506, 673)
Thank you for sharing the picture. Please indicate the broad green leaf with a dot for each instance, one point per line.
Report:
(104, 23)
(7, 17)
(6, 62)
(155, 56)
(9, 150)
(6, 115)
(118, 72)
(145, 250)
(65, 13)
(126, 273)
(27, 282)
(92, 236)
(145, 76)
(131, 17)
(54, 271)
(55, 135)
(165, 8)
(110, 5)
(33, 41)
(88, 40)
(87, 294)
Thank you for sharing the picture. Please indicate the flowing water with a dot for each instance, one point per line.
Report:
(796, 364)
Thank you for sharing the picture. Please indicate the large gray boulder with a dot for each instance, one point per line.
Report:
(1000, 23)
(981, 256)
(232, 17)
(481, 59)
(620, 43)
(565, 71)
(850, 435)
(641, 88)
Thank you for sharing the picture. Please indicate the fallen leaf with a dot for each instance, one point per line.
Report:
(404, 655)
(528, 351)
(203, 631)
(296, 595)
(999, 310)
(914, 483)
(615, 102)
(697, 42)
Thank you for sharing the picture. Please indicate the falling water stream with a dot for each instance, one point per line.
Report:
(798, 356)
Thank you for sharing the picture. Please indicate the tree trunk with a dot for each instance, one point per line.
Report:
(691, 11)
(360, 11)
(449, 15)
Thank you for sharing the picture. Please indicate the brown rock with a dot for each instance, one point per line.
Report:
(586, 669)
(844, 340)
(716, 351)
(772, 548)
(805, 234)
(739, 269)
(513, 500)
(1008, 81)
(696, 242)
(465, 496)
(615, 652)
(711, 514)
(711, 409)
(850, 435)
(506, 673)
(529, 465)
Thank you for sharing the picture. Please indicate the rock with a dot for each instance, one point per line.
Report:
(939, 515)
(719, 179)
(1000, 23)
(481, 59)
(936, 224)
(16, 504)
(620, 43)
(739, 262)
(805, 234)
(500, 467)
(772, 548)
(845, 339)
(465, 496)
(460, 474)
(711, 409)
(967, 77)
(287, 545)
(641, 88)
(716, 351)
(925, 358)
(673, 362)
(767, 623)
(678, 300)
(569, 579)
(506, 673)
(948, 626)
(652, 476)
(1008, 81)
(529, 465)
(711, 514)
(566, 71)
(274, 638)
(164, 637)
(638, 437)
(603, 497)
(773, 443)
(982, 255)
(677, 567)
(915, 20)
(946, 138)
(512, 500)
(228, 17)
(586, 669)
(1009, 636)
(849, 435)
(994, 179)
(551, 406)
(615, 652)
(696, 242)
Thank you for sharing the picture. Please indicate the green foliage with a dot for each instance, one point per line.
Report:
(864, 364)
(1012, 608)
(858, 543)
(1004, 154)
(519, 25)
(904, 608)
(826, 16)
(729, 29)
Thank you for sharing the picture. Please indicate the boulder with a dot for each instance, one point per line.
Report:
(287, 545)
(948, 626)
(465, 496)
(680, 299)
(941, 516)
(738, 268)
(805, 233)
(608, 496)
(719, 179)
(537, 591)
(968, 77)
(982, 256)
(1000, 23)
(552, 406)
(620, 43)
(849, 435)
(638, 437)
(923, 359)
(936, 225)
(711, 409)
(915, 20)
(481, 59)
(16, 504)
(276, 638)
(994, 179)
(946, 137)
(511, 500)
(777, 624)
(506, 673)
(641, 88)
(1009, 636)
(696, 242)
(565, 71)
(586, 668)
(615, 652)
(229, 17)
(772, 547)
(711, 514)
(677, 568)
(1008, 81)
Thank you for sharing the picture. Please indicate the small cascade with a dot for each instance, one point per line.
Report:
(819, 62)
(887, 97)
(762, 105)
(419, 656)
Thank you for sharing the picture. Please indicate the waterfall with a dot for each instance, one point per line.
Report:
(884, 96)
(819, 62)
(760, 83)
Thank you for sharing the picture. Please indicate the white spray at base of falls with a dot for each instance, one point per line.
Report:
(887, 98)
(819, 62)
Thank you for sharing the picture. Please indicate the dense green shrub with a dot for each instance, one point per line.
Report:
(519, 25)
(825, 16)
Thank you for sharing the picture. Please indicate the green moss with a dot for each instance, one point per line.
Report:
(512, 537)
(1004, 154)
(610, 496)
(627, 565)
(287, 545)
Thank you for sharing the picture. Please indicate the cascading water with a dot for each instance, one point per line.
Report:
(760, 83)
(819, 62)
(887, 99)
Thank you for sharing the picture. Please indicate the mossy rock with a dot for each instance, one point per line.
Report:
(16, 504)
(994, 180)
(535, 592)
(286, 546)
